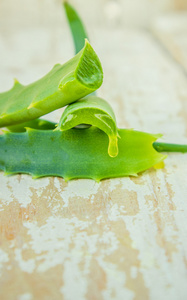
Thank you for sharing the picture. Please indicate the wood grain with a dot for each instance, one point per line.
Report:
(122, 238)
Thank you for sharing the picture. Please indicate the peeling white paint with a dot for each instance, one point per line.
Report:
(19, 188)
(57, 181)
(116, 280)
(154, 262)
(75, 286)
(3, 259)
(113, 183)
(110, 240)
(153, 259)
(51, 241)
(114, 212)
(134, 272)
(83, 188)
(5, 189)
(25, 296)
(28, 265)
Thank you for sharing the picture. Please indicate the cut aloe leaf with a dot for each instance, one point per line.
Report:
(94, 111)
(64, 84)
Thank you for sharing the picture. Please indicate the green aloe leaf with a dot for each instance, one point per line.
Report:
(77, 28)
(168, 147)
(64, 84)
(94, 111)
(79, 35)
(35, 124)
(76, 153)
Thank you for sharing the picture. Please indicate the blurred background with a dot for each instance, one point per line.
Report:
(45, 12)
(41, 25)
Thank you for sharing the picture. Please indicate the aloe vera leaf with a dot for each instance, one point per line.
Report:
(168, 147)
(76, 153)
(94, 111)
(64, 84)
(79, 35)
(35, 124)
(77, 28)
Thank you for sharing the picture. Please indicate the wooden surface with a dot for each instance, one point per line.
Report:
(171, 29)
(123, 238)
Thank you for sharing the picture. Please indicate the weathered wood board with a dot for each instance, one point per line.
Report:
(123, 238)
(171, 30)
